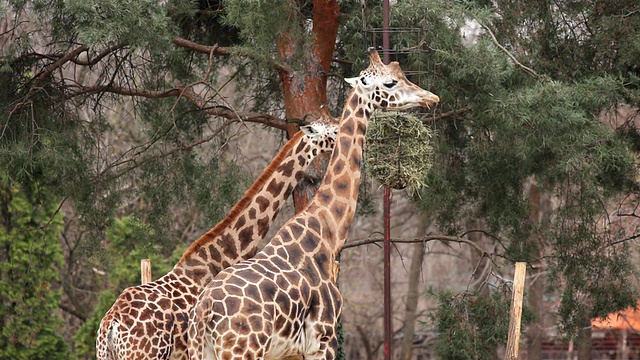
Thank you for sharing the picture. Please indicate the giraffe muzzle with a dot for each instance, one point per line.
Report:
(429, 100)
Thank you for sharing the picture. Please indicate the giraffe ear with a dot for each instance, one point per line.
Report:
(311, 129)
(352, 81)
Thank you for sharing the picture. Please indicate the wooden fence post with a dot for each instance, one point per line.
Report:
(515, 315)
(145, 271)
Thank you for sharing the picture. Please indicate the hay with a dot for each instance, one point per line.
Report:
(398, 150)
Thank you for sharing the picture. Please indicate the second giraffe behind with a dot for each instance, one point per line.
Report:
(284, 303)
(149, 321)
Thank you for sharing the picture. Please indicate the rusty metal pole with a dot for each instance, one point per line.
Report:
(388, 328)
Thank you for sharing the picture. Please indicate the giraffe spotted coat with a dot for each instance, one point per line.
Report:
(284, 302)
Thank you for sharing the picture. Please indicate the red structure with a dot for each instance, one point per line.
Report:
(618, 335)
(615, 338)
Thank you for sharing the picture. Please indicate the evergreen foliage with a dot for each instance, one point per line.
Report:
(521, 123)
(203, 22)
(30, 258)
(261, 22)
(470, 326)
(136, 23)
(58, 139)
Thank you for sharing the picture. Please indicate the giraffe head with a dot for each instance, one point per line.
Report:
(387, 87)
(322, 131)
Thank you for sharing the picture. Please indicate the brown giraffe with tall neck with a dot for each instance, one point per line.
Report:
(149, 321)
(284, 303)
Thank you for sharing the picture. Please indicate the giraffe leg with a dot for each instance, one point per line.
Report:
(326, 346)
(106, 344)
(322, 323)
(197, 334)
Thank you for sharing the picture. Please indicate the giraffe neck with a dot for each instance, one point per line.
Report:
(238, 235)
(336, 199)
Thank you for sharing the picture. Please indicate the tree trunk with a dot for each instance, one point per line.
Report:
(479, 261)
(584, 339)
(304, 87)
(535, 332)
(482, 266)
(540, 207)
(412, 293)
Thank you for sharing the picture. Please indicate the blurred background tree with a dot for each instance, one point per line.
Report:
(30, 258)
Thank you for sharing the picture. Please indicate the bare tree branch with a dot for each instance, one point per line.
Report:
(527, 69)
(220, 111)
(149, 94)
(137, 162)
(229, 113)
(98, 56)
(72, 312)
(57, 64)
(620, 241)
(448, 114)
(216, 50)
(54, 215)
(444, 238)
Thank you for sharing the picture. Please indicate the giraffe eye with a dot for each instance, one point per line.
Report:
(391, 84)
(364, 82)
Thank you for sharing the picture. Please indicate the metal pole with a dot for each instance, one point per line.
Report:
(386, 43)
(388, 328)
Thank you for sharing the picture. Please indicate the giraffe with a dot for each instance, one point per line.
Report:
(149, 321)
(284, 302)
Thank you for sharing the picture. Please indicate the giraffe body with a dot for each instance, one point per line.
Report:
(284, 302)
(149, 321)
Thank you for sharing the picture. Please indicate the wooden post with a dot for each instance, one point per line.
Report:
(145, 271)
(570, 351)
(515, 315)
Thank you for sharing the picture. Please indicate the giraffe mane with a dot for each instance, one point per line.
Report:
(244, 202)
